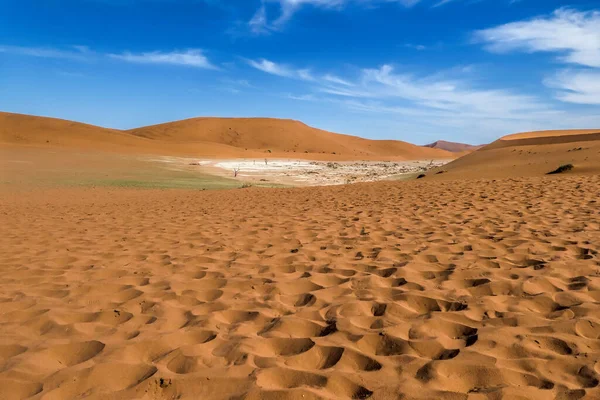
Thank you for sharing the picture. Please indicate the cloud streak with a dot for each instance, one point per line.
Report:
(573, 34)
(75, 53)
(189, 58)
(260, 24)
(579, 87)
(281, 70)
(438, 101)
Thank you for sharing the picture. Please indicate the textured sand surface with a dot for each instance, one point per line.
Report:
(414, 290)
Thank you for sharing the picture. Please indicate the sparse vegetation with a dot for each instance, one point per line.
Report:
(421, 176)
(561, 169)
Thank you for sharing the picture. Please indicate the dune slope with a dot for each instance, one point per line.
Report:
(529, 154)
(29, 130)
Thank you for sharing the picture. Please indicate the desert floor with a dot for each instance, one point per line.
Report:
(472, 289)
(38, 167)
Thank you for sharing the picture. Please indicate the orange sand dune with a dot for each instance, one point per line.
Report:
(529, 154)
(551, 133)
(453, 147)
(279, 135)
(423, 290)
(209, 137)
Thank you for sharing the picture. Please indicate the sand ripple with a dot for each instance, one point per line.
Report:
(415, 290)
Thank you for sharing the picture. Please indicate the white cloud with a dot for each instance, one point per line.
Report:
(441, 3)
(191, 58)
(271, 68)
(259, 22)
(302, 97)
(574, 34)
(448, 95)
(446, 104)
(580, 87)
(286, 9)
(238, 82)
(281, 70)
(419, 47)
(76, 53)
(305, 74)
(337, 80)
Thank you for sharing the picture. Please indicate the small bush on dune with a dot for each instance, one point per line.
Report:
(561, 169)
(421, 176)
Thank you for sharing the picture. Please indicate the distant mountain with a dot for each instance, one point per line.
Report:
(453, 146)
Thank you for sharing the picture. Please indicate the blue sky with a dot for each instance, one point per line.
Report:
(414, 70)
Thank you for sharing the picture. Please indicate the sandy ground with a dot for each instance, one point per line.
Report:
(416, 290)
(29, 166)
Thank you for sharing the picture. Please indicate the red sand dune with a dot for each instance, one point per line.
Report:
(209, 137)
(530, 154)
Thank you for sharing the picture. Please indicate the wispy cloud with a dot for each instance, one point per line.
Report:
(75, 53)
(580, 87)
(238, 82)
(384, 88)
(336, 80)
(260, 23)
(455, 96)
(190, 58)
(445, 99)
(441, 3)
(302, 97)
(284, 10)
(273, 68)
(574, 34)
(419, 47)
